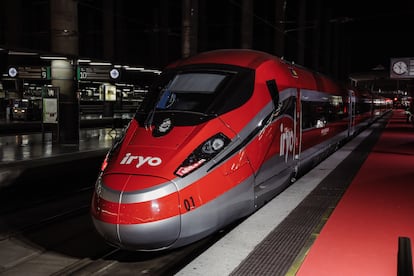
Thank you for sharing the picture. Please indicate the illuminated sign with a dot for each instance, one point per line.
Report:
(97, 73)
(30, 72)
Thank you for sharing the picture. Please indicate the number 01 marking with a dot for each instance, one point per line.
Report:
(189, 203)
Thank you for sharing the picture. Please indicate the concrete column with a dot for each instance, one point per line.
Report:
(164, 34)
(62, 76)
(14, 23)
(317, 34)
(64, 40)
(64, 26)
(301, 32)
(108, 36)
(280, 23)
(189, 27)
(247, 24)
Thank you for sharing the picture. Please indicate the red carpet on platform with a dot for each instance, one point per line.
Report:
(361, 235)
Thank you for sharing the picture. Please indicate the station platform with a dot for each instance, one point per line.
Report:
(363, 234)
(29, 148)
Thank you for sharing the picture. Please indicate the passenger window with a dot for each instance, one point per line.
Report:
(313, 114)
(321, 111)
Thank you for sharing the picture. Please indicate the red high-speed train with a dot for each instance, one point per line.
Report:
(218, 135)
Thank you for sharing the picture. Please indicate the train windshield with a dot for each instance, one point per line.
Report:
(196, 95)
(190, 92)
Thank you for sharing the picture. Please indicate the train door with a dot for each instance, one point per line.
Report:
(279, 161)
(298, 131)
(352, 113)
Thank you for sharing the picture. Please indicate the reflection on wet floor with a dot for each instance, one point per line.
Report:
(38, 145)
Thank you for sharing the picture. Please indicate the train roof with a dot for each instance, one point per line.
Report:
(288, 73)
(239, 57)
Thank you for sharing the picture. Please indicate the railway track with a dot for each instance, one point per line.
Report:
(56, 237)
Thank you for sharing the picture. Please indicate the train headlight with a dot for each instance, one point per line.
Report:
(202, 154)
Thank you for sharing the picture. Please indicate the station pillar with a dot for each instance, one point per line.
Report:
(62, 75)
(64, 40)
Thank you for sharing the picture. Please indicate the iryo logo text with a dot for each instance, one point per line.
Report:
(140, 160)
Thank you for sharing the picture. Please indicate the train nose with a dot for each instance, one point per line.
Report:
(133, 218)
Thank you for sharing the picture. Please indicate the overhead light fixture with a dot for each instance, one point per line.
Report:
(19, 53)
(84, 60)
(135, 68)
(100, 63)
(53, 57)
(152, 71)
